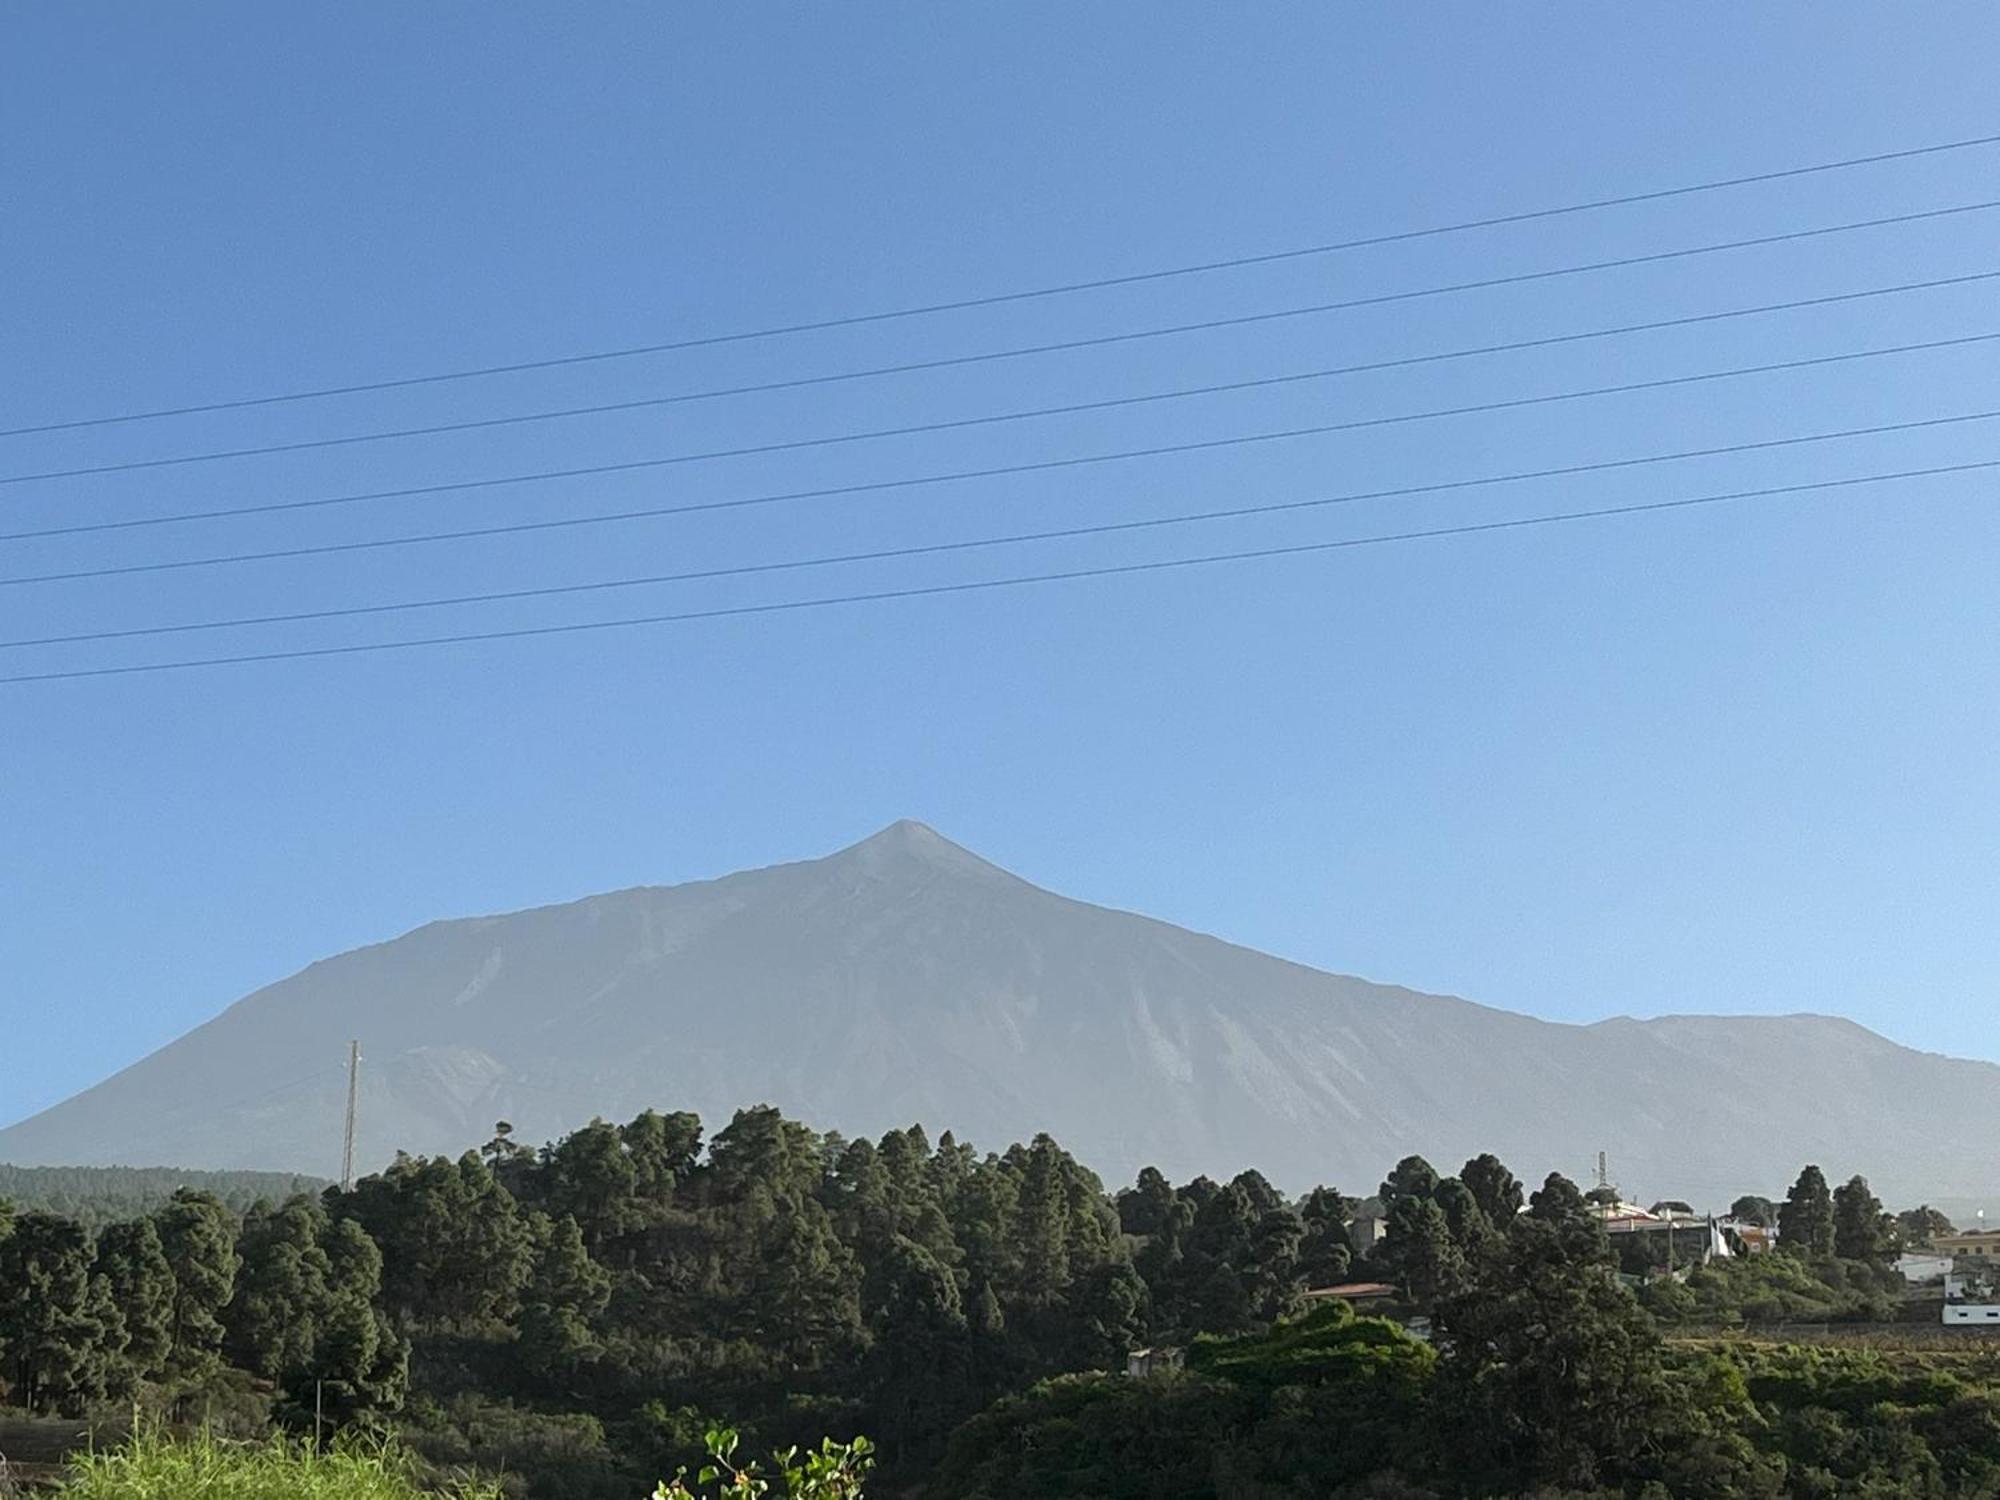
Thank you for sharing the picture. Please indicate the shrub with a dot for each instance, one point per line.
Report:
(153, 1467)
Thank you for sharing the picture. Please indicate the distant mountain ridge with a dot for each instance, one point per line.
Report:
(906, 979)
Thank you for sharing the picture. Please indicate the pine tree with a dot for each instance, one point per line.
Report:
(1412, 1177)
(141, 1286)
(198, 1238)
(1419, 1247)
(58, 1328)
(1552, 1373)
(454, 1244)
(1324, 1250)
(1861, 1230)
(919, 1364)
(565, 1294)
(1805, 1221)
(281, 1292)
(1471, 1230)
(1493, 1187)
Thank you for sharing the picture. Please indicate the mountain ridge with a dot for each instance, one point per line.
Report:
(905, 977)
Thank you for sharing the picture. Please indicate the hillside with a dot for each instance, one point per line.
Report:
(905, 979)
(103, 1195)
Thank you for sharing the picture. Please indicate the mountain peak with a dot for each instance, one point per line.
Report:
(907, 843)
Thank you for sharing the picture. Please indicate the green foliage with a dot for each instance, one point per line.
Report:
(1766, 1290)
(1918, 1227)
(1329, 1346)
(1555, 1374)
(304, 1313)
(152, 1467)
(455, 1248)
(140, 1282)
(566, 1292)
(1106, 1438)
(1861, 1230)
(97, 1196)
(198, 1237)
(566, 1319)
(833, 1471)
(529, 1452)
(1805, 1220)
(1311, 1407)
(1493, 1188)
(1751, 1209)
(60, 1334)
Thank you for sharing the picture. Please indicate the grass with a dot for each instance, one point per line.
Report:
(153, 1467)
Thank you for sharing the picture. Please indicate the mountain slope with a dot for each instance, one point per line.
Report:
(906, 979)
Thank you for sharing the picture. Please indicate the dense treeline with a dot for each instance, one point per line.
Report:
(577, 1316)
(96, 1196)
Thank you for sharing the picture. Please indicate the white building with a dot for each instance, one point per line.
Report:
(1970, 1299)
(1920, 1267)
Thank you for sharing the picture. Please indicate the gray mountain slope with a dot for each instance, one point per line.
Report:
(905, 979)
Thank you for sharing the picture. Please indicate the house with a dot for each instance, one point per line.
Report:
(1666, 1236)
(1366, 1231)
(1756, 1239)
(1141, 1362)
(1971, 1300)
(1977, 1248)
(1920, 1267)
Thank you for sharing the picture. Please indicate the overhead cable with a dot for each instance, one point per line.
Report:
(851, 320)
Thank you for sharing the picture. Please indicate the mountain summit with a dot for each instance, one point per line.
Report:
(906, 979)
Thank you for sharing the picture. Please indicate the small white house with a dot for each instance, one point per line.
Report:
(1921, 1267)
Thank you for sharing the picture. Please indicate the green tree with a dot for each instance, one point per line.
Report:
(1919, 1227)
(1861, 1230)
(1418, 1246)
(272, 1321)
(833, 1471)
(362, 1362)
(1147, 1208)
(304, 1316)
(1412, 1177)
(1324, 1250)
(1805, 1221)
(1552, 1374)
(1751, 1209)
(198, 1237)
(919, 1364)
(1470, 1228)
(1493, 1188)
(566, 1293)
(454, 1243)
(59, 1332)
(141, 1286)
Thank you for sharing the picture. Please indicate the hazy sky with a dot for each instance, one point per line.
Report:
(1732, 758)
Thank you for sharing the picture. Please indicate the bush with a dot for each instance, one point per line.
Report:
(153, 1467)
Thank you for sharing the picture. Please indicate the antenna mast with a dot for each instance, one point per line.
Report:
(347, 1137)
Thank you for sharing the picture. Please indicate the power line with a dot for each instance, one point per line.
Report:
(1002, 298)
(656, 512)
(607, 408)
(884, 554)
(1352, 425)
(1402, 362)
(784, 606)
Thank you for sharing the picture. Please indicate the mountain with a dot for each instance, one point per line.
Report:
(906, 979)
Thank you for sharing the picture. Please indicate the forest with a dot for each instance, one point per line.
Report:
(577, 1319)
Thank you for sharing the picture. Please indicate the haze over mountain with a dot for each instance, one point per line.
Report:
(906, 979)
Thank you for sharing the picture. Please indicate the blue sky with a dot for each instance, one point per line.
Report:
(1736, 758)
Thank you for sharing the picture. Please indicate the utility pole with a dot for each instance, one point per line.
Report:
(347, 1138)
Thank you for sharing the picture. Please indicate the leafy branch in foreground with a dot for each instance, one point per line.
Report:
(833, 1471)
